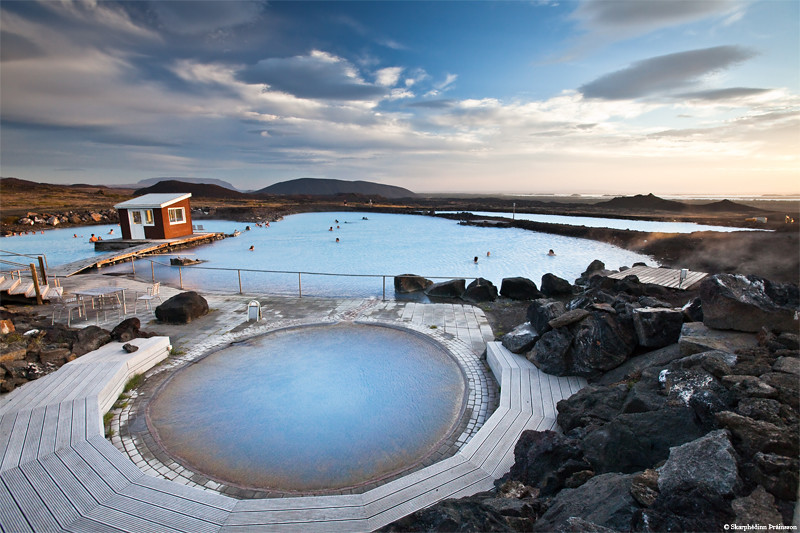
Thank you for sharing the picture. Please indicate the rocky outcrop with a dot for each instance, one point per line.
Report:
(127, 329)
(407, 283)
(453, 288)
(519, 289)
(520, 339)
(747, 303)
(182, 308)
(657, 327)
(542, 311)
(480, 290)
(553, 286)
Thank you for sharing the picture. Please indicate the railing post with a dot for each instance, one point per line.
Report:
(36, 284)
(133, 266)
(180, 277)
(239, 272)
(153, 270)
(42, 270)
(384, 288)
(299, 286)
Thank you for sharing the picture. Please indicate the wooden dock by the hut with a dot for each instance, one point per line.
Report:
(666, 277)
(136, 249)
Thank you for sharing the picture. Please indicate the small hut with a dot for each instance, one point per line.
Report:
(155, 216)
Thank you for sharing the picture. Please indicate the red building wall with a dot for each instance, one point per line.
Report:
(161, 229)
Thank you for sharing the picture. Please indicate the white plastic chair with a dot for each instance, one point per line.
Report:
(68, 303)
(151, 294)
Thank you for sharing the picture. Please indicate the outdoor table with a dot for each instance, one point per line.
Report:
(103, 292)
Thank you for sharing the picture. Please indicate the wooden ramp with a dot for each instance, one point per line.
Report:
(666, 277)
(120, 255)
(58, 472)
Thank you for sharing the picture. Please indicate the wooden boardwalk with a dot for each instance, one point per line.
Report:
(666, 277)
(58, 472)
(120, 255)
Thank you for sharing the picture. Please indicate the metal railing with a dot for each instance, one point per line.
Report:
(36, 277)
(30, 256)
(299, 274)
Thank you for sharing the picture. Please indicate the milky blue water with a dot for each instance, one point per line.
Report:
(313, 408)
(384, 244)
(614, 223)
(58, 245)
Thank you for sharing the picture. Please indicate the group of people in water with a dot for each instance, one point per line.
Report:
(489, 254)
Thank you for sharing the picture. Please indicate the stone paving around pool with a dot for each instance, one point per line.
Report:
(462, 329)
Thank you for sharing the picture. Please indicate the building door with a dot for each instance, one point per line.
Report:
(136, 218)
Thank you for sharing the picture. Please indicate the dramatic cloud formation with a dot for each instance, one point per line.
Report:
(663, 74)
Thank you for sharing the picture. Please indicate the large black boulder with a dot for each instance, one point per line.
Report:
(453, 288)
(406, 283)
(127, 329)
(657, 327)
(519, 289)
(466, 514)
(601, 342)
(552, 285)
(542, 311)
(591, 406)
(550, 353)
(480, 290)
(747, 303)
(546, 460)
(182, 308)
(89, 339)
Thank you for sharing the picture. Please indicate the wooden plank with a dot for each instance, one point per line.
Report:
(29, 501)
(88, 478)
(6, 430)
(52, 496)
(30, 446)
(205, 497)
(299, 515)
(12, 519)
(300, 502)
(417, 479)
(78, 429)
(102, 451)
(114, 474)
(483, 433)
(14, 449)
(70, 485)
(189, 507)
(157, 514)
(83, 524)
(64, 426)
(123, 521)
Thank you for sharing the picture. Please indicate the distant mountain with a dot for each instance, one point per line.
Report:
(153, 181)
(16, 184)
(640, 201)
(726, 206)
(198, 190)
(331, 187)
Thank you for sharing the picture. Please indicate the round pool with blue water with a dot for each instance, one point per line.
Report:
(312, 408)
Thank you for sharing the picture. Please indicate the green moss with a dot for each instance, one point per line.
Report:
(134, 382)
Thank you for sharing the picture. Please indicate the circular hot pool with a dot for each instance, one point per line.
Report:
(312, 408)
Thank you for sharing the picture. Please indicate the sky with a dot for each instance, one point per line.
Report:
(536, 97)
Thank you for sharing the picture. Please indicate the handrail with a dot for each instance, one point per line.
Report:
(28, 255)
(298, 272)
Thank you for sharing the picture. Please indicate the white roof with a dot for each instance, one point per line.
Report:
(153, 200)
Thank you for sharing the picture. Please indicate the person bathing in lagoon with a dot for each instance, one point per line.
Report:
(475, 260)
(337, 239)
(488, 254)
(252, 248)
(551, 252)
(93, 238)
(111, 231)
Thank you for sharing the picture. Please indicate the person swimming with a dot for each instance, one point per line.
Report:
(337, 239)
(551, 252)
(252, 248)
(93, 238)
(475, 260)
(488, 254)
(111, 231)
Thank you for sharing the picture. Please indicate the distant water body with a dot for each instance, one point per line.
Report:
(613, 223)
(383, 244)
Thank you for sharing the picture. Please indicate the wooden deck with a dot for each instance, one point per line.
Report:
(116, 256)
(58, 472)
(666, 277)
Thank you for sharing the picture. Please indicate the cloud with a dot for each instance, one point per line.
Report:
(317, 75)
(192, 18)
(716, 95)
(662, 74)
(634, 17)
(15, 47)
(387, 77)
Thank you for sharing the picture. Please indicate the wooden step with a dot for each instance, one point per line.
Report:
(21, 288)
(9, 284)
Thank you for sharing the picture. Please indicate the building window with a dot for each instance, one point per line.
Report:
(136, 216)
(148, 217)
(176, 215)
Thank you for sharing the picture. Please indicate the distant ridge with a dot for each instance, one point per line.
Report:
(331, 187)
(211, 181)
(641, 201)
(726, 206)
(198, 190)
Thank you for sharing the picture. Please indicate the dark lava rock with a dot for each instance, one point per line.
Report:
(746, 303)
(549, 354)
(519, 289)
(545, 460)
(697, 337)
(696, 510)
(777, 473)
(591, 406)
(601, 342)
(753, 436)
(480, 290)
(635, 365)
(657, 327)
(761, 409)
(705, 463)
(604, 500)
(568, 318)
(520, 339)
(552, 285)
(182, 308)
(635, 441)
(89, 339)
(130, 348)
(693, 311)
(466, 514)
(644, 487)
(453, 288)
(757, 508)
(406, 283)
(127, 330)
(542, 311)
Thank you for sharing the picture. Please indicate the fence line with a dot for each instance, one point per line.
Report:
(263, 271)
